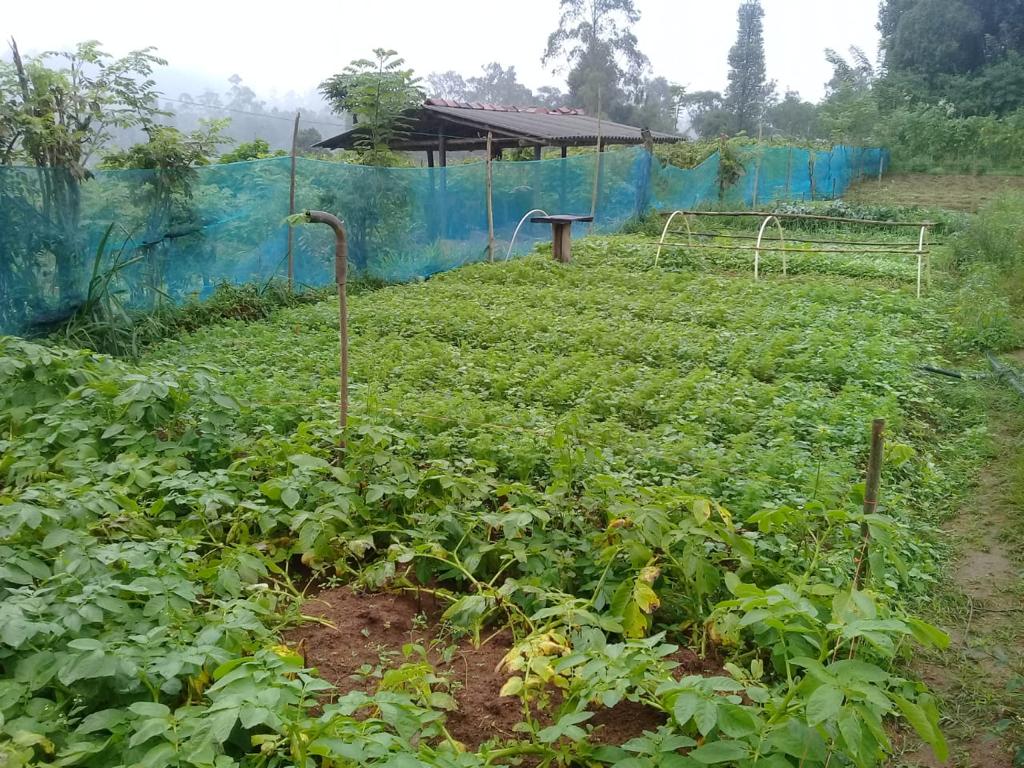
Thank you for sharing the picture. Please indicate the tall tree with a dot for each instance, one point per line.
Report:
(498, 85)
(57, 110)
(965, 52)
(595, 39)
(446, 85)
(708, 116)
(849, 112)
(749, 91)
(794, 118)
(378, 93)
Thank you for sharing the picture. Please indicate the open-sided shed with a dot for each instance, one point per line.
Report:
(444, 125)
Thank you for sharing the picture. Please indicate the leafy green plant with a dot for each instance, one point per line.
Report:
(619, 467)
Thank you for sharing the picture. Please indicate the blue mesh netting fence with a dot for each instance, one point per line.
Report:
(176, 237)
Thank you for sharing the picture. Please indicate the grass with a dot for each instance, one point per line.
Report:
(952, 192)
(608, 459)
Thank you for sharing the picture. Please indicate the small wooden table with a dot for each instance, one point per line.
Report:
(561, 233)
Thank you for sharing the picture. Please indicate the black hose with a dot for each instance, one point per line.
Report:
(1006, 373)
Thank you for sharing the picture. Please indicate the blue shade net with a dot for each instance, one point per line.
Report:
(155, 236)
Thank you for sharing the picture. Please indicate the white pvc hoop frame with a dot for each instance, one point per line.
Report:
(757, 248)
(689, 232)
(923, 259)
(920, 259)
(511, 245)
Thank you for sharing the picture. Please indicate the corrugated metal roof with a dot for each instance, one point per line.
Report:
(541, 123)
(469, 123)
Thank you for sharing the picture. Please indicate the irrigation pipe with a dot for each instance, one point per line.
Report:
(1006, 373)
(522, 221)
(341, 278)
(757, 247)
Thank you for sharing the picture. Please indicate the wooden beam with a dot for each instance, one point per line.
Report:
(537, 152)
(430, 158)
(565, 151)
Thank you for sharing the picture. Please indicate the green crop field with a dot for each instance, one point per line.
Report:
(597, 466)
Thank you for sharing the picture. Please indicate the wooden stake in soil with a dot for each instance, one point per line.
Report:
(490, 198)
(341, 278)
(871, 485)
(291, 205)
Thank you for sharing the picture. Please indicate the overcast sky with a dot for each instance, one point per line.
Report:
(283, 49)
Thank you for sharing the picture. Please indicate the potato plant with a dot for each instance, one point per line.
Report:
(610, 460)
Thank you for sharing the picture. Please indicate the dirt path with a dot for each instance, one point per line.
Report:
(980, 678)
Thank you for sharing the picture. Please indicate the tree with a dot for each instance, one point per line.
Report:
(257, 149)
(596, 41)
(749, 91)
(57, 117)
(498, 85)
(656, 105)
(794, 118)
(962, 52)
(447, 85)
(307, 138)
(58, 108)
(378, 94)
(551, 97)
(707, 114)
(850, 110)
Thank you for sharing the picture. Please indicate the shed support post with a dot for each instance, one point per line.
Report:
(537, 150)
(490, 196)
(442, 159)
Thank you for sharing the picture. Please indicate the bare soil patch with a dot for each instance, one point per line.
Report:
(362, 632)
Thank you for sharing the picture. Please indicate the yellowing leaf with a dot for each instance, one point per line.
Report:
(701, 510)
(512, 686)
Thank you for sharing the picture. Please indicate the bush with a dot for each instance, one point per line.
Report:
(995, 236)
(989, 257)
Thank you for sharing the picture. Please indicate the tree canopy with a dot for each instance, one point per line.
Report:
(377, 93)
(749, 91)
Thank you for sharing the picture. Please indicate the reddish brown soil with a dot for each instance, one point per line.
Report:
(361, 630)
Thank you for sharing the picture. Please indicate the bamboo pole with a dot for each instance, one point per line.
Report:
(871, 486)
(291, 205)
(597, 166)
(490, 198)
(809, 216)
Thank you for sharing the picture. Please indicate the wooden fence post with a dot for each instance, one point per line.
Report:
(871, 485)
(291, 205)
(490, 197)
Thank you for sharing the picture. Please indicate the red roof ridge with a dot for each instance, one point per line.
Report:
(451, 103)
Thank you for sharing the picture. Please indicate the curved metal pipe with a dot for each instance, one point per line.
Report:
(760, 237)
(341, 278)
(508, 254)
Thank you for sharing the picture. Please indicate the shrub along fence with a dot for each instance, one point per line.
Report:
(176, 236)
